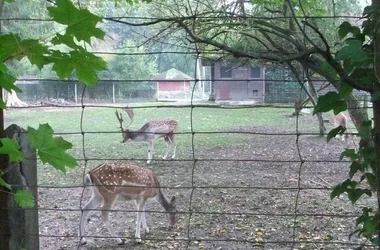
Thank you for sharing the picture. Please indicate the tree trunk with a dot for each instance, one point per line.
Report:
(314, 99)
(321, 124)
(5, 233)
(376, 107)
(357, 113)
(12, 100)
(310, 92)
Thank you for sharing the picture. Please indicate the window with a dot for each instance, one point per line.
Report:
(255, 72)
(226, 72)
(255, 92)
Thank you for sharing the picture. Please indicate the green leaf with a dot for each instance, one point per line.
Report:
(80, 22)
(333, 132)
(371, 178)
(24, 198)
(355, 194)
(89, 64)
(330, 101)
(63, 64)
(353, 51)
(85, 64)
(375, 96)
(340, 189)
(363, 75)
(12, 149)
(2, 104)
(349, 153)
(367, 26)
(4, 184)
(368, 155)
(369, 10)
(9, 46)
(365, 129)
(51, 150)
(67, 40)
(6, 80)
(368, 221)
(36, 52)
(339, 106)
(330, 71)
(355, 167)
(345, 89)
(345, 28)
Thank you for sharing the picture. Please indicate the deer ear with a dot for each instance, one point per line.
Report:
(173, 199)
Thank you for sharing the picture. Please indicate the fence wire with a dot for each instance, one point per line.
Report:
(195, 234)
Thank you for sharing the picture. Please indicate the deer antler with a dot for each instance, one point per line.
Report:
(119, 116)
(120, 119)
(129, 111)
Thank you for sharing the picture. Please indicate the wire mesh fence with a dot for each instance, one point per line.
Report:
(245, 176)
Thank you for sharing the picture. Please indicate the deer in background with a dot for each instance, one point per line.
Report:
(113, 180)
(150, 132)
(340, 120)
(298, 106)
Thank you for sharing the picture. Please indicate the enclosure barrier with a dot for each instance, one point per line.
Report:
(278, 210)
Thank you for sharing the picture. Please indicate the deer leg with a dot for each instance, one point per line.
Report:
(143, 220)
(87, 209)
(140, 205)
(174, 151)
(167, 143)
(172, 140)
(150, 152)
(105, 217)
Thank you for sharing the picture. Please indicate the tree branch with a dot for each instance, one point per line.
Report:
(285, 33)
(300, 28)
(239, 53)
(316, 30)
(255, 38)
(315, 64)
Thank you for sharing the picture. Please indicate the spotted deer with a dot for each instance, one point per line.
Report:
(150, 132)
(340, 120)
(111, 181)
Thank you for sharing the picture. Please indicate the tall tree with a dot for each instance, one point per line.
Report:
(25, 10)
(76, 25)
(278, 31)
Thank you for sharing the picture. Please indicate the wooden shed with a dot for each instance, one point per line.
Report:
(172, 85)
(236, 83)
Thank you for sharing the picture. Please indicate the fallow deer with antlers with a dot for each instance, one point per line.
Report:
(340, 120)
(150, 132)
(113, 180)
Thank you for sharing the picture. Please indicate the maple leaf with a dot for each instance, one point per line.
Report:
(24, 198)
(68, 40)
(81, 23)
(51, 150)
(6, 80)
(12, 149)
(85, 64)
(9, 46)
(35, 52)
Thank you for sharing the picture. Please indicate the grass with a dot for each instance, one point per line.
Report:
(102, 137)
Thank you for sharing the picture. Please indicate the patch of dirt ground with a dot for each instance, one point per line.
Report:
(244, 200)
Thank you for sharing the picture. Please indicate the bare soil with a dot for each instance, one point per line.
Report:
(257, 195)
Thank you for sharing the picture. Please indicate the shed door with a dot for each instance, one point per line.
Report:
(224, 92)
